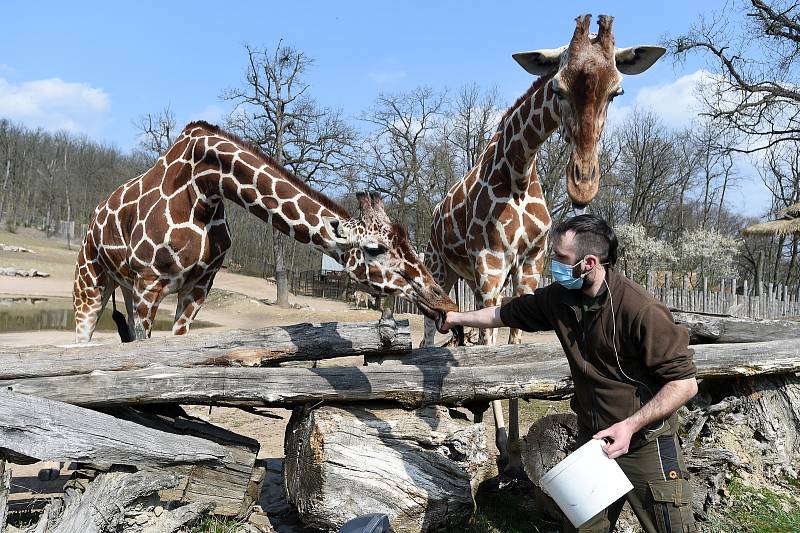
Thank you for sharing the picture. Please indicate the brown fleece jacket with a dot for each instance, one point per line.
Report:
(651, 348)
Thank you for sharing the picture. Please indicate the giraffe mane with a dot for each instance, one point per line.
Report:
(537, 83)
(257, 151)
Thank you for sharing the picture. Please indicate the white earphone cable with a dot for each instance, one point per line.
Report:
(616, 354)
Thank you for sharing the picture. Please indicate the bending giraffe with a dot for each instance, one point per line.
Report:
(491, 227)
(165, 232)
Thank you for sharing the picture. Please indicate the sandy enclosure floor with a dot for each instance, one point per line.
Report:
(236, 301)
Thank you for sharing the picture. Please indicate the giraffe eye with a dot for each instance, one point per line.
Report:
(375, 249)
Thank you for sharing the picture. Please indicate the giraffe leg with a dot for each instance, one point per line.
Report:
(89, 300)
(189, 303)
(127, 296)
(147, 296)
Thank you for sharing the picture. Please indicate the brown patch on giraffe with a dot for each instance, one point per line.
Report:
(284, 190)
(289, 210)
(281, 225)
(302, 234)
(225, 163)
(178, 150)
(251, 160)
(538, 211)
(549, 121)
(492, 262)
(176, 176)
(248, 194)
(226, 148)
(144, 252)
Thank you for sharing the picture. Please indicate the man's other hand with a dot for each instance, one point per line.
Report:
(620, 435)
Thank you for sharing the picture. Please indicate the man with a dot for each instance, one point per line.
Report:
(630, 363)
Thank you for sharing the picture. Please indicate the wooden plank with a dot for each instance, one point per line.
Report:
(233, 348)
(709, 328)
(49, 430)
(410, 385)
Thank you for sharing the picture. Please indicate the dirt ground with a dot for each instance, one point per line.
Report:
(236, 301)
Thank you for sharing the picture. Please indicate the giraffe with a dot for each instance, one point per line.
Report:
(165, 232)
(491, 227)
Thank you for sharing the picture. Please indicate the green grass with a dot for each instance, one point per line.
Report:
(757, 511)
(215, 524)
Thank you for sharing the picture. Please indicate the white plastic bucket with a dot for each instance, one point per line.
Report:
(585, 482)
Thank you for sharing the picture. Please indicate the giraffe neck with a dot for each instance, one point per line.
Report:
(228, 167)
(524, 127)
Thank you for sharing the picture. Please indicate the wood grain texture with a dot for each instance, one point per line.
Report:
(419, 467)
(263, 347)
(408, 384)
(50, 430)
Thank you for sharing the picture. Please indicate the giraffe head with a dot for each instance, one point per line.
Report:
(587, 78)
(377, 254)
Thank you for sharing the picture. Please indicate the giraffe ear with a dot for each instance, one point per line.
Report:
(637, 59)
(338, 232)
(540, 62)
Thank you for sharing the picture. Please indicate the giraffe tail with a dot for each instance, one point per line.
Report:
(120, 320)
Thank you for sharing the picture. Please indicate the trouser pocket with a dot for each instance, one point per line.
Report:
(672, 506)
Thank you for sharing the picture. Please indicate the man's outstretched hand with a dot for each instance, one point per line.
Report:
(620, 435)
(445, 324)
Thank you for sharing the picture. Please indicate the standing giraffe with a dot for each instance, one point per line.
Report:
(165, 232)
(492, 226)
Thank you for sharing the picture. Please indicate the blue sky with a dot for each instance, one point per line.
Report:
(93, 67)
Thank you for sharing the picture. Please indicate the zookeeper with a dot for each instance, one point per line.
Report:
(631, 366)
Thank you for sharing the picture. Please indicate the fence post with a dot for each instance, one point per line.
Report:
(705, 292)
(746, 294)
(667, 291)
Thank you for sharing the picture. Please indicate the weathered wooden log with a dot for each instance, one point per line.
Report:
(48, 430)
(23, 273)
(231, 484)
(102, 507)
(503, 354)
(420, 467)
(723, 329)
(261, 347)
(410, 385)
(5, 490)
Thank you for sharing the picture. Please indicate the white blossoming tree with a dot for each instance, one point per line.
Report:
(640, 253)
(709, 253)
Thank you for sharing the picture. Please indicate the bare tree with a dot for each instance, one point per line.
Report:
(473, 119)
(157, 132)
(755, 87)
(274, 111)
(398, 152)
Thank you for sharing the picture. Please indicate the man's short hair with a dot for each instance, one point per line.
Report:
(593, 236)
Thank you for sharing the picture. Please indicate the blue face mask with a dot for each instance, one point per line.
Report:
(563, 274)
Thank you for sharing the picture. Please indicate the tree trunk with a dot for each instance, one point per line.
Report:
(420, 467)
(6, 181)
(281, 280)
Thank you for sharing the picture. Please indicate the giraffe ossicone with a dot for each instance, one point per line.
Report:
(165, 232)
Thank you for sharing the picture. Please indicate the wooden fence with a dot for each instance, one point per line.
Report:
(692, 294)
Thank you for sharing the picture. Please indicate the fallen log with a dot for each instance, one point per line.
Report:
(421, 468)
(705, 329)
(232, 348)
(409, 385)
(231, 484)
(102, 507)
(48, 430)
(23, 273)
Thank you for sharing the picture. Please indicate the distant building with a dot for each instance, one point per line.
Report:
(329, 263)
